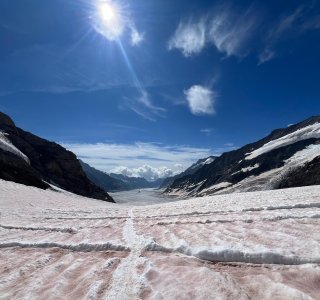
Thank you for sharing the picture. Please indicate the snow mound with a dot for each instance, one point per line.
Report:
(250, 168)
(83, 247)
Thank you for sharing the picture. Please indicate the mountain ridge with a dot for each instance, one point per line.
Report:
(117, 182)
(254, 161)
(189, 171)
(28, 159)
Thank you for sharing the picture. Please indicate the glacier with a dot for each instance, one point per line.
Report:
(257, 245)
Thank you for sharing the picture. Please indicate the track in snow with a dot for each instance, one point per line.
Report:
(244, 246)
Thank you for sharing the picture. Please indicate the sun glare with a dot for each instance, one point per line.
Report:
(109, 20)
(107, 12)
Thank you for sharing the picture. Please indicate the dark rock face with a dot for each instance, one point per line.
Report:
(133, 183)
(229, 166)
(6, 121)
(48, 162)
(307, 175)
(103, 180)
(15, 169)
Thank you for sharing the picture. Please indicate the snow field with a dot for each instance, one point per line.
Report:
(261, 245)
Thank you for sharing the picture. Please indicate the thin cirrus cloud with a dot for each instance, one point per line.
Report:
(148, 159)
(201, 100)
(290, 26)
(230, 32)
(144, 107)
(206, 131)
(225, 29)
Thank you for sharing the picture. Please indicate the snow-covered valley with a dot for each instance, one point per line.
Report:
(142, 197)
(260, 245)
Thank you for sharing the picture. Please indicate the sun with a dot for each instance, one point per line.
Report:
(107, 12)
(109, 20)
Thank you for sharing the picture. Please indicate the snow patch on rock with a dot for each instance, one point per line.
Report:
(308, 132)
(6, 145)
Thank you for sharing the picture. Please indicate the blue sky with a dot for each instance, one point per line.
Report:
(147, 87)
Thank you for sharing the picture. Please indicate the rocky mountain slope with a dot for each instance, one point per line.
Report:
(31, 160)
(288, 157)
(103, 180)
(133, 183)
(190, 171)
(117, 182)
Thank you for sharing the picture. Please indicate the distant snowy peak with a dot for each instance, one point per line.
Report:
(202, 162)
(288, 157)
(311, 131)
(6, 145)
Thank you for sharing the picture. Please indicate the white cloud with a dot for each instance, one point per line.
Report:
(189, 38)
(201, 100)
(136, 37)
(145, 171)
(161, 159)
(227, 30)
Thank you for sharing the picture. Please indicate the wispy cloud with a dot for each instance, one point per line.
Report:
(238, 33)
(266, 55)
(145, 100)
(201, 100)
(289, 26)
(144, 107)
(135, 157)
(189, 38)
(136, 37)
(228, 30)
(206, 131)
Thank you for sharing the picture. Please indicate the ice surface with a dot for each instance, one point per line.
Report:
(260, 245)
(308, 132)
(6, 145)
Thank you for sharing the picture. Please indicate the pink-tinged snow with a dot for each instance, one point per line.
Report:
(6, 145)
(261, 245)
(308, 132)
